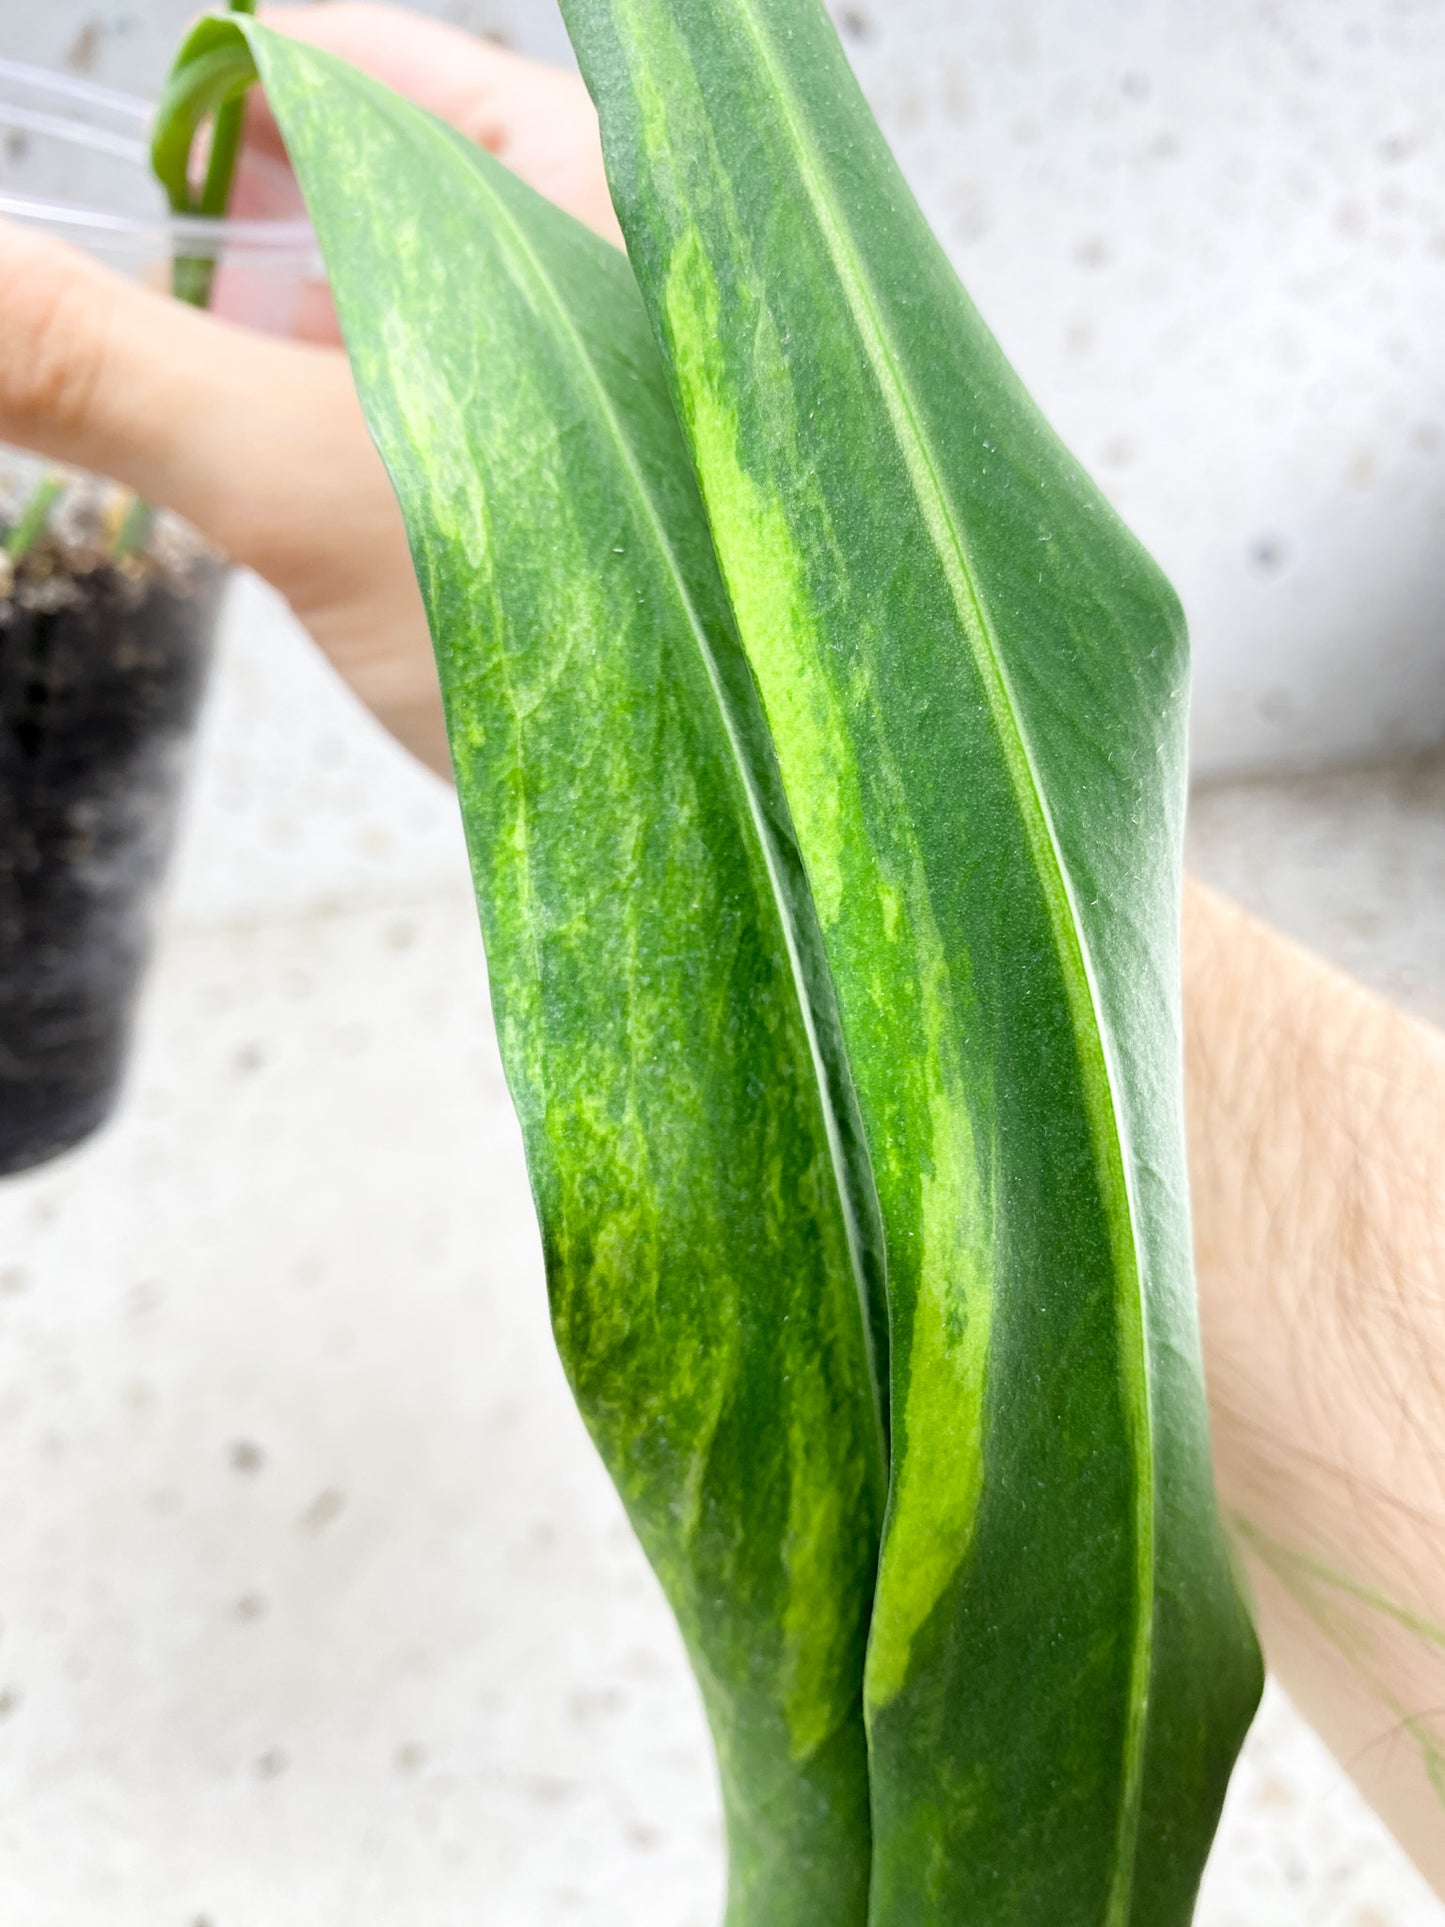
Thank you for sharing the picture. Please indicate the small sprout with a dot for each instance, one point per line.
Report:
(133, 529)
(34, 518)
(192, 275)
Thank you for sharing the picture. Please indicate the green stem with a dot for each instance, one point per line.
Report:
(193, 276)
(34, 517)
(135, 529)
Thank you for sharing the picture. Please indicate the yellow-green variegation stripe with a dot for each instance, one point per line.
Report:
(975, 682)
(661, 994)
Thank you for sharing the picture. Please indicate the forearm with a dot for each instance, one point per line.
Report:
(1317, 1154)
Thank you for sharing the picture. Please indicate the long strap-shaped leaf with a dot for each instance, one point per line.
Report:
(976, 684)
(705, 1204)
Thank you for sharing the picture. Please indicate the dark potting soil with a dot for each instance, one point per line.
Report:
(102, 666)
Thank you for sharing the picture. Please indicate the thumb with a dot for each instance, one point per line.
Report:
(228, 428)
(259, 444)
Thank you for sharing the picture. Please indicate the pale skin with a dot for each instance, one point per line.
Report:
(1316, 1113)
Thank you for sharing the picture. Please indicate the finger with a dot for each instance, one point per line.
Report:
(259, 444)
(191, 413)
(537, 119)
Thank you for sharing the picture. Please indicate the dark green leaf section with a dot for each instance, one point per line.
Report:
(976, 685)
(706, 1212)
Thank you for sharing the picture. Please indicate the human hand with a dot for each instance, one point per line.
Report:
(261, 443)
(1317, 1174)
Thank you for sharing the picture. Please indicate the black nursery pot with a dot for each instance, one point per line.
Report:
(102, 667)
(102, 661)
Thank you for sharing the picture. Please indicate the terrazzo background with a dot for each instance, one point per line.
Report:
(314, 1605)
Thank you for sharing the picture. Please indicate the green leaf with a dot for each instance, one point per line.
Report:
(706, 1208)
(976, 685)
